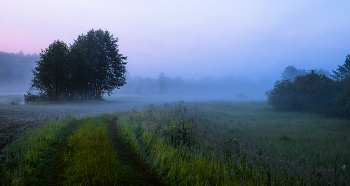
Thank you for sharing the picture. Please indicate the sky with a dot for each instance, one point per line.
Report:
(191, 38)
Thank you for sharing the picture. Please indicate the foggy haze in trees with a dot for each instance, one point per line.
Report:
(15, 71)
(226, 87)
(16, 74)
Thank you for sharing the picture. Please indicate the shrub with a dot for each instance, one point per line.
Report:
(342, 98)
(310, 92)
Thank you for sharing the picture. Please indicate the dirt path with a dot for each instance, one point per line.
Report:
(131, 159)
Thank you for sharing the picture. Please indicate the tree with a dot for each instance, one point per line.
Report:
(89, 68)
(108, 66)
(290, 72)
(309, 92)
(162, 83)
(51, 75)
(80, 72)
(314, 91)
(343, 70)
(281, 97)
(342, 98)
(321, 71)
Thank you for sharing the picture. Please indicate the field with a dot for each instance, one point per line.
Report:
(162, 141)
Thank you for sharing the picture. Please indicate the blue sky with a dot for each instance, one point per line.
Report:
(191, 38)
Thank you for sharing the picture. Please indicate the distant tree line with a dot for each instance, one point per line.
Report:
(314, 92)
(224, 87)
(15, 71)
(89, 68)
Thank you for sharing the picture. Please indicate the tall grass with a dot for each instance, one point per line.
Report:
(27, 160)
(91, 160)
(215, 143)
(128, 133)
(312, 144)
(282, 148)
(179, 166)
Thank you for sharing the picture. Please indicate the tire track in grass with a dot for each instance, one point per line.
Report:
(87, 158)
(57, 173)
(144, 172)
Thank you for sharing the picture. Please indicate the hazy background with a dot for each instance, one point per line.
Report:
(251, 40)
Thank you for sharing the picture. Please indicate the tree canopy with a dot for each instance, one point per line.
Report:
(51, 73)
(342, 71)
(314, 92)
(89, 68)
(291, 72)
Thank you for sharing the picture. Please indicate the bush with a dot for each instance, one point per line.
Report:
(313, 91)
(310, 92)
(342, 98)
(282, 96)
(30, 97)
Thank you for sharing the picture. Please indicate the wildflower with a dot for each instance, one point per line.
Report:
(343, 167)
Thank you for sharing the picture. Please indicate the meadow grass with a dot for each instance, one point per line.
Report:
(287, 147)
(27, 160)
(214, 143)
(91, 160)
(316, 139)
(127, 131)
(179, 166)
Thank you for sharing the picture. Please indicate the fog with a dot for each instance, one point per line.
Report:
(15, 72)
(226, 87)
(15, 77)
(217, 48)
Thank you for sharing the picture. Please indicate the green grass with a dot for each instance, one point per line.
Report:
(91, 160)
(27, 159)
(316, 138)
(179, 166)
(215, 143)
(289, 147)
(128, 133)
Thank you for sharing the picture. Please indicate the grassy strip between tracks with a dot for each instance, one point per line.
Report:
(91, 160)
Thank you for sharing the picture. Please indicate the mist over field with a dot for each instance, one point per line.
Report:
(200, 92)
(248, 43)
(16, 74)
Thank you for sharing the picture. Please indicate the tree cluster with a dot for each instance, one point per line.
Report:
(314, 92)
(87, 69)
